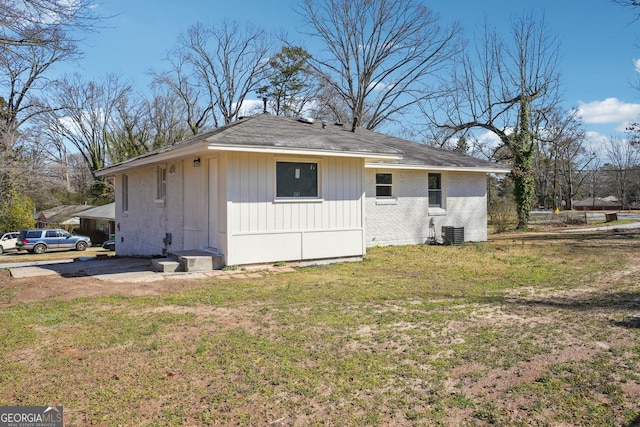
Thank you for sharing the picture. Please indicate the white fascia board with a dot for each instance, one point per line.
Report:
(375, 165)
(152, 159)
(303, 152)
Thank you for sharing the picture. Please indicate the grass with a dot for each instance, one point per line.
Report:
(522, 330)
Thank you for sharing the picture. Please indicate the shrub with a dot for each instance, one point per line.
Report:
(502, 215)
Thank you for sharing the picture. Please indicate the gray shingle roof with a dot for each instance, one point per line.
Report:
(263, 132)
(59, 214)
(107, 211)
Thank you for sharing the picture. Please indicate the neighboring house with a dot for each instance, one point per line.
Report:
(98, 223)
(267, 189)
(597, 204)
(60, 216)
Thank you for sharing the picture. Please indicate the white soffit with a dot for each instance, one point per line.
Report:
(381, 165)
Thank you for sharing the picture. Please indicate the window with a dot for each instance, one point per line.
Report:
(125, 193)
(384, 185)
(161, 173)
(296, 179)
(435, 190)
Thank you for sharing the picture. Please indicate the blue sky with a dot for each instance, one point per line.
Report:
(598, 43)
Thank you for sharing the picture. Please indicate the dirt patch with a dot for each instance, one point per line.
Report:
(13, 291)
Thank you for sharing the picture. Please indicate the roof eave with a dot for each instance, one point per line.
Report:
(303, 151)
(152, 159)
(381, 165)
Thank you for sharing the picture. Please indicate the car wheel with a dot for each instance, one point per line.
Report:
(1, 250)
(39, 249)
(81, 246)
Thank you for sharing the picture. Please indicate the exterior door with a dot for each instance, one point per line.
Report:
(213, 203)
(195, 205)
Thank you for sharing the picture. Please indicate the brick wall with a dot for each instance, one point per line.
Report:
(407, 219)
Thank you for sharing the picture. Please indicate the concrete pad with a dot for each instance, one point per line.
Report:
(25, 272)
(33, 263)
(165, 265)
(185, 276)
(131, 277)
(117, 267)
(215, 273)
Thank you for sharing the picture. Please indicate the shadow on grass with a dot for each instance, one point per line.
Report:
(635, 422)
(623, 301)
(633, 323)
(625, 237)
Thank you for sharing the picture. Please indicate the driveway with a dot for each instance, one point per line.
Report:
(621, 215)
(101, 268)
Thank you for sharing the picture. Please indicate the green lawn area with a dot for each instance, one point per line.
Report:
(526, 329)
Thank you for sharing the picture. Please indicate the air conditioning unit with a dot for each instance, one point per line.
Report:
(453, 235)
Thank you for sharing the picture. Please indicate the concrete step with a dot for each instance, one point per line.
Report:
(199, 260)
(165, 265)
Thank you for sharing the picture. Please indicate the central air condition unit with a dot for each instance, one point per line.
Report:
(453, 235)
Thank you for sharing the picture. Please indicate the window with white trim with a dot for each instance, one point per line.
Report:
(125, 193)
(435, 190)
(384, 184)
(161, 174)
(297, 180)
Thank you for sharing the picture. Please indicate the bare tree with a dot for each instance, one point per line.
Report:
(44, 22)
(502, 87)
(561, 157)
(328, 102)
(22, 77)
(141, 125)
(184, 84)
(129, 133)
(383, 56)
(623, 156)
(165, 115)
(227, 63)
(34, 35)
(86, 116)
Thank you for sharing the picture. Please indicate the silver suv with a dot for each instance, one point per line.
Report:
(40, 240)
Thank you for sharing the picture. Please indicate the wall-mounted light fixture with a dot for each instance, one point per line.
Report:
(196, 162)
(172, 169)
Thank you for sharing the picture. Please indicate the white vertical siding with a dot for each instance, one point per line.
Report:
(253, 206)
(263, 229)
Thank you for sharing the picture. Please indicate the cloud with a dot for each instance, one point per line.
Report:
(611, 110)
(489, 139)
(595, 143)
(250, 107)
(379, 86)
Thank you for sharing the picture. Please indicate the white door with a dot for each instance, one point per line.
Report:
(195, 205)
(213, 203)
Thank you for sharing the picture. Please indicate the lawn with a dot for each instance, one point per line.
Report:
(526, 329)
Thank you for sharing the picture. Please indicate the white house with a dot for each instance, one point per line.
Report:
(267, 189)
